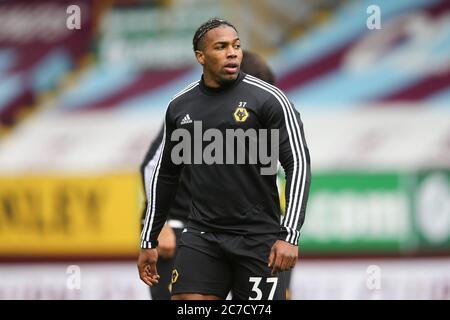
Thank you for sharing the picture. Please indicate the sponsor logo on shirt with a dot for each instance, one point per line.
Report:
(186, 119)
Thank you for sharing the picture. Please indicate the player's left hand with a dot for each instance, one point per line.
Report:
(283, 256)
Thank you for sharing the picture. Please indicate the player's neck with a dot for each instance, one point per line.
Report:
(210, 82)
(213, 87)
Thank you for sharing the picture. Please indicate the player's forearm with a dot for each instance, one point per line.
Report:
(296, 163)
(147, 168)
(157, 210)
(296, 194)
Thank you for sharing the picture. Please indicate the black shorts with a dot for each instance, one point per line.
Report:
(217, 263)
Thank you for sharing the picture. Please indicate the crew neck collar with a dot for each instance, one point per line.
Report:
(212, 91)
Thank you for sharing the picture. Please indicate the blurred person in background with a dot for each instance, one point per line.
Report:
(252, 64)
(222, 249)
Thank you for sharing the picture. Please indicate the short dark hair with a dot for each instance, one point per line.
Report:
(254, 65)
(205, 27)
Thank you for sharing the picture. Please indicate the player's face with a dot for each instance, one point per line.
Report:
(220, 55)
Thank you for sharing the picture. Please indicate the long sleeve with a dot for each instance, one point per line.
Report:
(295, 159)
(148, 165)
(161, 185)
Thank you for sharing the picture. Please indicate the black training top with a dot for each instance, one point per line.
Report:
(231, 198)
(180, 207)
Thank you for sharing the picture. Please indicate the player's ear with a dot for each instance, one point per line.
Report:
(200, 57)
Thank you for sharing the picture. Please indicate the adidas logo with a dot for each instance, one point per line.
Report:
(186, 119)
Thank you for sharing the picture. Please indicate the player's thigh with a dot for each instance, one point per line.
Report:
(251, 282)
(252, 278)
(200, 268)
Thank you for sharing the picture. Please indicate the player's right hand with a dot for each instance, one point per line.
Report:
(147, 266)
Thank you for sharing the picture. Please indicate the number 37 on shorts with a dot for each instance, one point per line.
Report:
(263, 288)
